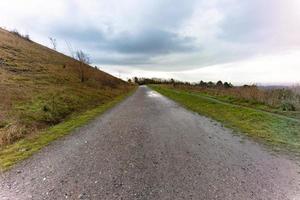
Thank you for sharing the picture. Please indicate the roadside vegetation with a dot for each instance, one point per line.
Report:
(265, 118)
(25, 147)
(41, 88)
(275, 99)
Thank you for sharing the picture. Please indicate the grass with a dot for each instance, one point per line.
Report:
(275, 100)
(276, 130)
(40, 87)
(24, 148)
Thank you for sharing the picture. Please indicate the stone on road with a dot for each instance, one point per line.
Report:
(149, 147)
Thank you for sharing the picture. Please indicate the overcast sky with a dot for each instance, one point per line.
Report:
(242, 41)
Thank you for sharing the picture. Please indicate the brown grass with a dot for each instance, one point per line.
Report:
(284, 101)
(40, 87)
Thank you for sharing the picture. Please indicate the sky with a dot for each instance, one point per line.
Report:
(240, 41)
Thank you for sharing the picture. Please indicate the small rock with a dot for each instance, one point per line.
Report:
(82, 195)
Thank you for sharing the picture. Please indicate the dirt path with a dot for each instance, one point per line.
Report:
(148, 147)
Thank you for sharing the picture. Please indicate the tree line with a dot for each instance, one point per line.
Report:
(146, 81)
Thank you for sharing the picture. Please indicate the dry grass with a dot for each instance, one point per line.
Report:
(282, 101)
(40, 87)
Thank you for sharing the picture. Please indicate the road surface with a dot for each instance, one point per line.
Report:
(149, 147)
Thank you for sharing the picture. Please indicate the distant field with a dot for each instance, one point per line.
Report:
(272, 128)
(40, 88)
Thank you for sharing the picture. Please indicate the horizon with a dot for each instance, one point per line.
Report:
(187, 41)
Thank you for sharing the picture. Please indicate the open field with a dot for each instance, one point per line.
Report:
(40, 87)
(271, 128)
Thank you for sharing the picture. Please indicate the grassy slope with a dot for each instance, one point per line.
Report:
(279, 131)
(40, 88)
(24, 148)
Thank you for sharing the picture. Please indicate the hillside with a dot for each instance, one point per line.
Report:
(40, 87)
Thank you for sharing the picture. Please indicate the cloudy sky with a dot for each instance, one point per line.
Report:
(242, 41)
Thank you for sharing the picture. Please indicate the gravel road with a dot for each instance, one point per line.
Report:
(149, 147)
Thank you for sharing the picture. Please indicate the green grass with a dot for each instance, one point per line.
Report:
(24, 148)
(275, 130)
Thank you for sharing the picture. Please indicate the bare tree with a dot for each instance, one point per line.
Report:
(53, 43)
(71, 51)
(83, 59)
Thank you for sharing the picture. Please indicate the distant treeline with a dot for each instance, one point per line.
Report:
(210, 84)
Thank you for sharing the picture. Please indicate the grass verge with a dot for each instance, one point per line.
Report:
(275, 130)
(24, 148)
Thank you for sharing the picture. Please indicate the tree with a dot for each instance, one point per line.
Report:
(203, 84)
(83, 60)
(172, 82)
(220, 84)
(228, 85)
(210, 84)
(136, 80)
(53, 43)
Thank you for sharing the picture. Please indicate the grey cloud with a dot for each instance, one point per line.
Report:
(141, 46)
(156, 35)
(250, 21)
(127, 60)
(168, 13)
(152, 42)
(77, 34)
(153, 39)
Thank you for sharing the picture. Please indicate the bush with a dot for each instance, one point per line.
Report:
(51, 110)
(18, 34)
(287, 106)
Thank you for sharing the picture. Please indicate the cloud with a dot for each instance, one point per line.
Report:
(151, 42)
(165, 35)
(260, 70)
(139, 48)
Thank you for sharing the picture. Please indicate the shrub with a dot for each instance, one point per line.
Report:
(18, 34)
(287, 106)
